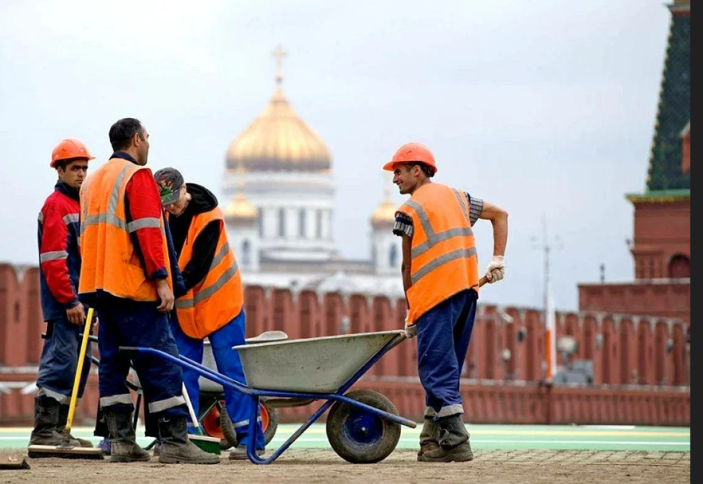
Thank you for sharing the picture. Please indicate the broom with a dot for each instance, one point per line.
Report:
(211, 445)
(14, 463)
(66, 450)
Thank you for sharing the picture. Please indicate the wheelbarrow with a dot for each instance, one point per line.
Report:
(213, 414)
(363, 426)
(213, 417)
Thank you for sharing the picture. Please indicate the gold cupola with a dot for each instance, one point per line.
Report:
(279, 140)
(240, 211)
(383, 218)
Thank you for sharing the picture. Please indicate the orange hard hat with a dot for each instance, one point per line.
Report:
(412, 153)
(69, 149)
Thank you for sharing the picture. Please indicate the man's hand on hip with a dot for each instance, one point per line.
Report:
(496, 269)
(165, 295)
(76, 315)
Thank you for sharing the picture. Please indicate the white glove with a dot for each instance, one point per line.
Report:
(410, 329)
(496, 269)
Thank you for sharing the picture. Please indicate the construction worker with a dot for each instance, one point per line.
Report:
(127, 275)
(60, 266)
(441, 280)
(212, 307)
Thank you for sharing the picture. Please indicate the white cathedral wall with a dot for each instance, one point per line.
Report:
(311, 222)
(237, 236)
(291, 192)
(383, 243)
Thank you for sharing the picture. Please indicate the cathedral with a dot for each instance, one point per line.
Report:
(279, 190)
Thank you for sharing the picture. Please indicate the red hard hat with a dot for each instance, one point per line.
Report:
(412, 153)
(69, 149)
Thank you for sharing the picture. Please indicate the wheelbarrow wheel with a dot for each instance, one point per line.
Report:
(226, 432)
(269, 421)
(359, 437)
(227, 428)
(216, 423)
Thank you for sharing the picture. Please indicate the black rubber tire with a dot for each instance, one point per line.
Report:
(345, 444)
(231, 436)
(227, 430)
(270, 431)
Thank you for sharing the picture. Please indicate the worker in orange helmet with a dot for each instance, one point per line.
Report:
(441, 281)
(60, 265)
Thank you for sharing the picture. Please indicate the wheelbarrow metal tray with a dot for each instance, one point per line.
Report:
(315, 365)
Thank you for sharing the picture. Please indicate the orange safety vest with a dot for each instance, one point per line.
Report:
(444, 260)
(110, 262)
(219, 297)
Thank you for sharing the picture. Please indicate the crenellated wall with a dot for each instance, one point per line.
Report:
(637, 360)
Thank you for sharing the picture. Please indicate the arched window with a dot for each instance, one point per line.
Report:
(246, 253)
(301, 223)
(281, 222)
(261, 223)
(318, 227)
(680, 267)
(393, 256)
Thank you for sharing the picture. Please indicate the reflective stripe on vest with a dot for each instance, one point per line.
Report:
(206, 292)
(219, 297)
(110, 261)
(443, 255)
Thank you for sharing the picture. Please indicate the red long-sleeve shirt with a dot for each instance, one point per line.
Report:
(143, 202)
(58, 246)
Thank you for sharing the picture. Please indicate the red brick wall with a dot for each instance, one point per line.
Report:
(658, 298)
(662, 231)
(648, 351)
(534, 404)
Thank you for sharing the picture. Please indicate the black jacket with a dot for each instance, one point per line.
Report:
(204, 247)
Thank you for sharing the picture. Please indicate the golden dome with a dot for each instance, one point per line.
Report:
(384, 215)
(240, 210)
(279, 140)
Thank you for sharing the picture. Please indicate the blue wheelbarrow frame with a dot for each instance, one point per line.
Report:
(255, 394)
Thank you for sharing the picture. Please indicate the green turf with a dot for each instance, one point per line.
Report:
(509, 437)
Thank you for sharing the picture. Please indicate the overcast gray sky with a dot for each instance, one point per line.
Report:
(544, 107)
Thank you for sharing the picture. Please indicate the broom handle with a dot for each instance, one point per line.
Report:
(79, 370)
(193, 418)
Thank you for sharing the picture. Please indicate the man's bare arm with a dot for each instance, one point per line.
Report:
(406, 266)
(499, 219)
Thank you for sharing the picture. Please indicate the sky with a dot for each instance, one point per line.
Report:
(546, 108)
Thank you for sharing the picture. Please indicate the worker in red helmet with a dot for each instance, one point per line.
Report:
(441, 281)
(60, 265)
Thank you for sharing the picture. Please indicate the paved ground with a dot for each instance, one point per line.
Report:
(504, 454)
(508, 437)
(321, 466)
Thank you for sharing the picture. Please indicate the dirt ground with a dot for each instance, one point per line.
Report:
(319, 466)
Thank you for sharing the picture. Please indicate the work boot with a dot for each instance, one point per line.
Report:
(240, 453)
(46, 418)
(105, 446)
(453, 441)
(176, 448)
(123, 444)
(429, 437)
(63, 419)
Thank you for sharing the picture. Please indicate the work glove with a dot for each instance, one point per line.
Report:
(410, 329)
(496, 269)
